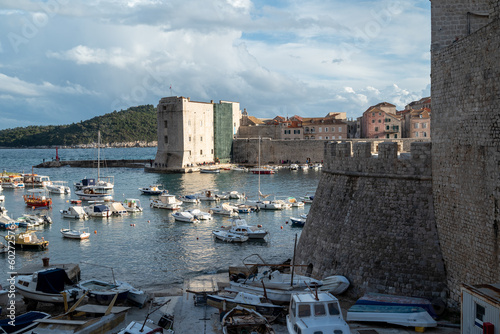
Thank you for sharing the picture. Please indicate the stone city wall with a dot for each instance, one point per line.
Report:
(372, 221)
(466, 156)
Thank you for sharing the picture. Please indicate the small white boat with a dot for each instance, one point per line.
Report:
(308, 199)
(410, 316)
(226, 236)
(236, 195)
(209, 195)
(210, 170)
(103, 292)
(117, 209)
(190, 199)
(293, 167)
(2, 198)
(48, 286)
(82, 233)
(240, 226)
(224, 209)
(313, 312)
(269, 205)
(239, 169)
(132, 205)
(94, 193)
(154, 189)
(200, 215)
(184, 216)
(75, 212)
(166, 201)
(58, 187)
(98, 210)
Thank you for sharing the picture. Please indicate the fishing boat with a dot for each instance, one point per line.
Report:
(184, 216)
(132, 205)
(297, 222)
(226, 236)
(103, 292)
(28, 240)
(69, 233)
(166, 201)
(12, 182)
(315, 312)
(409, 316)
(58, 187)
(37, 198)
(240, 226)
(154, 189)
(225, 209)
(75, 212)
(94, 193)
(226, 302)
(244, 320)
(48, 285)
(97, 210)
(200, 215)
(23, 323)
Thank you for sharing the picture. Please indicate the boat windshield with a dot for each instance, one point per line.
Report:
(333, 309)
(319, 310)
(304, 311)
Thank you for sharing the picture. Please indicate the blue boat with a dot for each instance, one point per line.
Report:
(22, 323)
(372, 298)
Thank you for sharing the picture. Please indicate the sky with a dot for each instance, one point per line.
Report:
(62, 61)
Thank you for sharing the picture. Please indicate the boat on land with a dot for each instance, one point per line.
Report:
(132, 205)
(166, 201)
(226, 236)
(81, 234)
(37, 198)
(315, 312)
(88, 318)
(58, 187)
(200, 215)
(244, 320)
(154, 189)
(23, 323)
(409, 316)
(259, 303)
(372, 298)
(48, 285)
(97, 210)
(74, 212)
(103, 292)
(240, 226)
(28, 240)
(184, 216)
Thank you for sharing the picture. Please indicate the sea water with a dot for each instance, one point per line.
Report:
(150, 249)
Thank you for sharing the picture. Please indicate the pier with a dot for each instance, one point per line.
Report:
(131, 163)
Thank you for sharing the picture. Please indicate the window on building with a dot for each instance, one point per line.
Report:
(424, 125)
(296, 132)
(201, 152)
(387, 127)
(340, 129)
(373, 121)
(201, 138)
(165, 124)
(416, 134)
(376, 128)
(388, 136)
(326, 129)
(320, 137)
(201, 124)
(320, 129)
(326, 138)
(380, 121)
(373, 114)
(480, 312)
(164, 107)
(189, 138)
(189, 122)
(212, 151)
(415, 125)
(380, 114)
(333, 137)
(424, 134)
(340, 137)
(166, 139)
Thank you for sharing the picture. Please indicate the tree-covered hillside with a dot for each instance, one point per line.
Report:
(133, 124)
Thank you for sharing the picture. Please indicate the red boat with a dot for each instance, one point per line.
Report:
(37, 198)
(262, 171)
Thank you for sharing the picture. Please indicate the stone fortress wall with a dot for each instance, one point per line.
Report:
(372, 221)
(466, 139)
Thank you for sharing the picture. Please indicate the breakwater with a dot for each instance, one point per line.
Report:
(130, 163)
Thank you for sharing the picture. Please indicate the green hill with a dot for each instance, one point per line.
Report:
(133, 124)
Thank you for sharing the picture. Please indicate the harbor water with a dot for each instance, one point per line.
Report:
(150, 249)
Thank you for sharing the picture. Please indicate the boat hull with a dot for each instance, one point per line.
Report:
(410, 316)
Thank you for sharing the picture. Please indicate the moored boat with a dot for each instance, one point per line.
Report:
(200, 215)
(37, 198)
(166, 201)
(117, 209)
(98, 210)
(240, 226)
(94, 193)
(75, 212)
(297, 222)
(28, 240)
(154, 189)
(226, 236)
(69, 233)
(58, 187)
(23, 322)
(132, 205)
(184, 216)
(225, 209)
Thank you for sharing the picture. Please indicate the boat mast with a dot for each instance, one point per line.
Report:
(98, 152)
(258, 170)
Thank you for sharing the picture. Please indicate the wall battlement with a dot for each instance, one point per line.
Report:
(357, 159)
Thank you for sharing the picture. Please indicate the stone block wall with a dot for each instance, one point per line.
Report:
(466, 156)
(372, 221)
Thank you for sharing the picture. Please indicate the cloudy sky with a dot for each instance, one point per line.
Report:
(64, 61)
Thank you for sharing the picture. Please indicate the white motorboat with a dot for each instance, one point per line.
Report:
(239, 169)
(104, 292)
(136, 296)
(269, 205)
(209, 195)
(184, 216)
(313, 312)
(12, 182)
(166, 201)
(75, 212)
(132, 205)
(2, 197)
(224, 209)
(98, 210)
(308, 199)
(226, 236)
(200, 215)
(210, 170)
(240, 226)
(117, 209)
(48, 285)
(410, 316)
(190, 199)
(82, 233)
(236, 195)
(7, 223)
(58, 187)
(94, 193)
(154, 189)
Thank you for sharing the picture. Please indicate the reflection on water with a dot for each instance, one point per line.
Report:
(150, 248)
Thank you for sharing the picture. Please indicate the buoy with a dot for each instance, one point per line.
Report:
(286, 222)
(281, 227)
(95, 232)
(132, 224)
(196, 238)
(33, 207)
(259, 226)
(148, 221)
